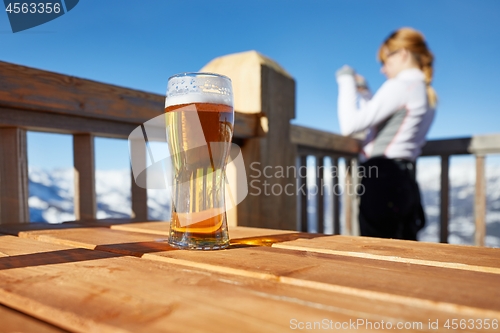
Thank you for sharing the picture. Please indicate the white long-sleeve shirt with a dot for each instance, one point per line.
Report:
(398, 116)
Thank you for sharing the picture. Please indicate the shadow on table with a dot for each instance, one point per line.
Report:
(269, 240)
(53, 257)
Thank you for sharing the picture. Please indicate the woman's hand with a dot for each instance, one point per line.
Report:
(345, 70)
(361, 83)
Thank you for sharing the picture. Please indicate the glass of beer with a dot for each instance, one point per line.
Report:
(200, 121)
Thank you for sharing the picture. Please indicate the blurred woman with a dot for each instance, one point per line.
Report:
(396, 118)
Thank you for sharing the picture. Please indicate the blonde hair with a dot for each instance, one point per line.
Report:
(413, 41)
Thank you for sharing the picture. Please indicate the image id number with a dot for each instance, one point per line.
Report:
(40, 8)
(478, 324)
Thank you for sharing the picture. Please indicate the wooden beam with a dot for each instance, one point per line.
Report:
(445, 189)
(320, 206)
(63, 124)
(311, 151)
(273, 151)
(248, 125)
(13, 176)
(480, 201)
(245, 125)
(478, 144)
(83, 161)
(485, 144)
(326, 141)
(448, 146)
(34, 89)
(45, 101)
(276, 150)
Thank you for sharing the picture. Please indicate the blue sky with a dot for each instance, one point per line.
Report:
(139, 44)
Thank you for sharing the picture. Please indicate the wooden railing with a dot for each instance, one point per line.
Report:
(36, 100)
(479, 146)
(321, 144)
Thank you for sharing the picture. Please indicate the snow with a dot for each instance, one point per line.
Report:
(462, 175)
(159, 204)
(51, 196)
(36, 202)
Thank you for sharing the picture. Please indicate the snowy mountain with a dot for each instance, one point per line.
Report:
(51, 196)
(51, 199)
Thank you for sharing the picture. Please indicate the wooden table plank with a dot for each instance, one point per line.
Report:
(116, 241)
(13, 321)
(15, 229)
(417, 285)
(84, 290)
(404, 283)
(472, 258)
(158, 228)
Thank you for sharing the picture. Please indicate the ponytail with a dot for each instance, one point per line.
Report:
(413, 41)
(431, 93)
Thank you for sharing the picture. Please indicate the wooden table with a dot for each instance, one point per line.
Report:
(125, 278)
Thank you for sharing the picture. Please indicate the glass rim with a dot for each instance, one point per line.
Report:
(209, 74)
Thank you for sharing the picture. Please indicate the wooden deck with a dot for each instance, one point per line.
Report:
(106, 277)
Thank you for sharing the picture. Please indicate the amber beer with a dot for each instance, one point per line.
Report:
(199, 132)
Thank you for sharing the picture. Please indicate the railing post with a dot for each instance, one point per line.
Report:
(320, 206)
(347, 197)
(336, 196)
(139, 202)
(445, 185)
(480, 201)
(139, 195)
(355, 231)
(261, 86)
(13, 176)
(302, 193)
(84, 166)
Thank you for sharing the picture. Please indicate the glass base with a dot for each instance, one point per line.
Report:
(204, 247)
(189, 241)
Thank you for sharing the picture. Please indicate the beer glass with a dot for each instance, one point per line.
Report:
(199, 118)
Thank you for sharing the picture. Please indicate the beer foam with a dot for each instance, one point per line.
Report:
(199, 98)
(189, 88)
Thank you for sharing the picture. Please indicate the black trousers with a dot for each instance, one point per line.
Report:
(390, 205)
